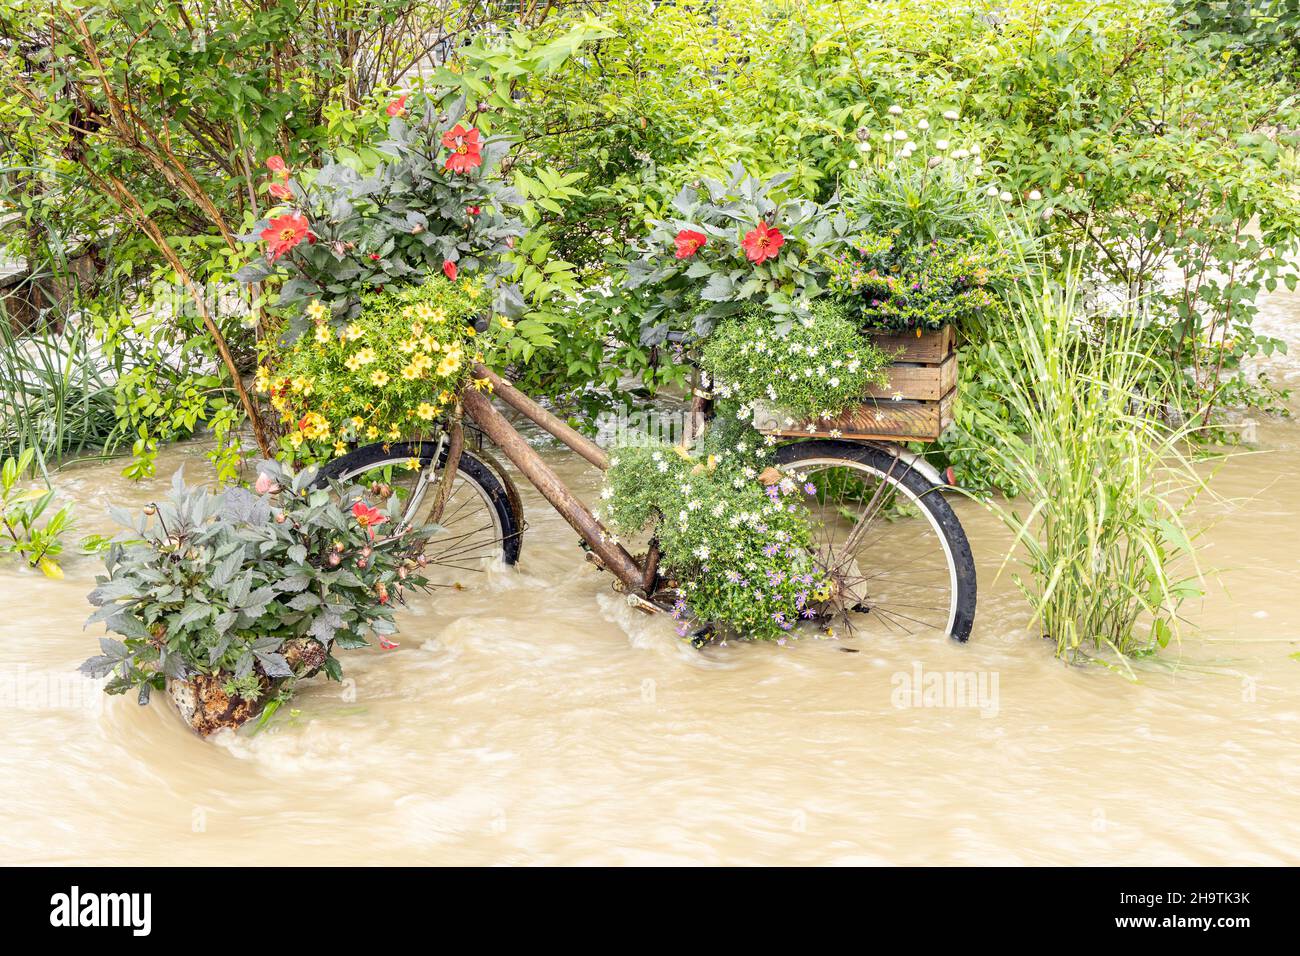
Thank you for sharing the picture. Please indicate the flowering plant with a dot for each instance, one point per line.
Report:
(817, 369)
(436, 208)
(740, 548)
(885, 285)
(731, 244)
(243, 593)
(386, 375)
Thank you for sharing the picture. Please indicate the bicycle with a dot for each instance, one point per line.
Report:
(890, 542)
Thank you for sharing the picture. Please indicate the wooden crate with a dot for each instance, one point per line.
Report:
(915, 405)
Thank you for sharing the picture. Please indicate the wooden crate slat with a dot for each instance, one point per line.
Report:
(929, 382)
(874, 419)
(929, 348)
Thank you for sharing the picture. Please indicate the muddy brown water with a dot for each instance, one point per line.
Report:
(534, 718)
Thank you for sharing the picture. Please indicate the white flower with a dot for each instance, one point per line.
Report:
(941, 144)
(895, 110)
(934, 161)
(607, 493)
(960, 153)
(991, 191)
(900, 135)
(1035, 195)
(950, 115)
(864, 147)
(923, 124)
(853, 164)
(1004, 196)
(702, 552)
(975, 149)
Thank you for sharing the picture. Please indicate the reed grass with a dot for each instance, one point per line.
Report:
(1105, 553)
(56, 394)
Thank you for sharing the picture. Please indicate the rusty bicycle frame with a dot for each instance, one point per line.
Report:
(637, 577)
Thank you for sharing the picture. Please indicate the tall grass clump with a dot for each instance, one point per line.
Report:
(56, 394)
(1100, 532)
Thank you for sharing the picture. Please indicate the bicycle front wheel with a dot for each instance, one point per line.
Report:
(481, 521)
(892, 548)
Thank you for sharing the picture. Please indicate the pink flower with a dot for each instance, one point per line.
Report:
(689, 242)
(762, 243)
(284, 233)
(369, 518)
(264, 483)
(466, 149)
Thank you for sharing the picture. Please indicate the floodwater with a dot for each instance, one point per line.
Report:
(534, 718)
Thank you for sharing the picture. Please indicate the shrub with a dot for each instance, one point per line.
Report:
(732, 244)
(239, 585)
(889, 286)
(741, 549)
(21, 510)
(818, 368)
(391, 373)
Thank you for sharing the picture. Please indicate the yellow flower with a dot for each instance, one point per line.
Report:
(448, 366)
(262, 381)
(411, 372)
(426, 411)
(323, 335)
(410, 345)
(379, 378)
(296, 439)
(505, 323)
(483, 384)
(417, 328)
(372, 432)
(413, 464)
(277, 402)
(470, 331)
(353, 332)
(424, 311)
(471, 289)
(394, 433)
(301, 384)
(365, 356)
(438, 315)
(340, 448)
(444, 396)
(430, 343)
(316, 311)
(357, 422)
(422, 362)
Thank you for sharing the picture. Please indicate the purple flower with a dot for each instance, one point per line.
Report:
(810, 488)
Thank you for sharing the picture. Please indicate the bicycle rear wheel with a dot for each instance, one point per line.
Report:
(480, 523)
(895, 553)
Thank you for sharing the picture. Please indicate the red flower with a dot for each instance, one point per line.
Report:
(284, 233)
(369, 518)
(690, 242)
(374, 256)
(280, 191)
(466, 150)
(276, 165)
(762, 243)
(473, 210)
(397, 107)
(449, 269)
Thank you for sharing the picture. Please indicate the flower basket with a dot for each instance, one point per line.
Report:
(204, 704)
(915, 405)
